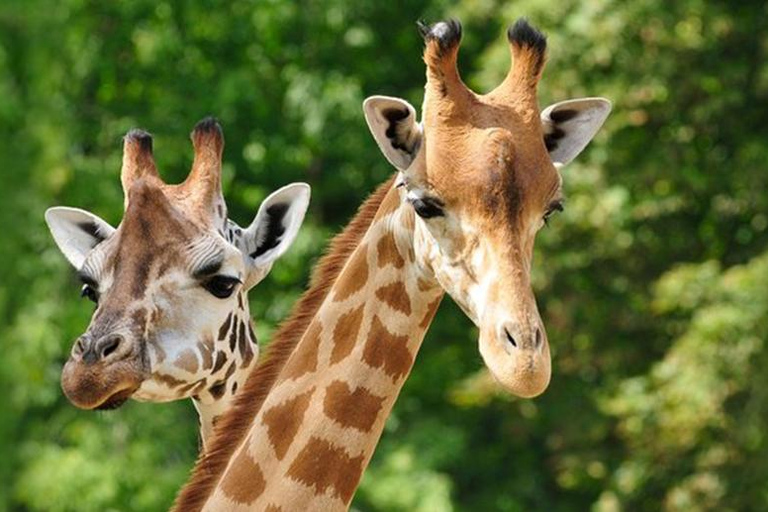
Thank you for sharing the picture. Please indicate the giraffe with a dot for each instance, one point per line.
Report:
(170, 283)
(476, 181)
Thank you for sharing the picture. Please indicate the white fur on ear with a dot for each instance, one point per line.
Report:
(570, 125)
(76, 232)
(276, 225)
(392, 122)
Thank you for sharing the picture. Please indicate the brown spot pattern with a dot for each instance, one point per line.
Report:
(273, 508)
(424, 285)
(235, 427)
(169, 380)
(187, 360)
(395, 296)
(387, 252)
(356, 275)
(244, 482)
(430, 314)
(323, 466)
(230, 370)
(356, 409)
(345, 333)
(283, 421)
(205, 351)
(387, 351)
(218, 389)
(242, 342)
(221, 358)
(304, 359)
(233, 336)
(224, 329)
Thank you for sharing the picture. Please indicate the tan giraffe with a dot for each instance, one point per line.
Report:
(474, 187)
(170, 283)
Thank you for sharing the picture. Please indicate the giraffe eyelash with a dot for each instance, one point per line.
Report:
(554, 206)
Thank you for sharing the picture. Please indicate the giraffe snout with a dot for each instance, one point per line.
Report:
(103, 371)
(517, 355)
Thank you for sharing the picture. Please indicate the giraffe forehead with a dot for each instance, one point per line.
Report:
(153, 219)
(490, 172)
(157, 234)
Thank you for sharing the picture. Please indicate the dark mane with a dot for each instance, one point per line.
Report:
(235, 424)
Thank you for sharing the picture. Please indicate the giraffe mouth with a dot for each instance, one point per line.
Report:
(116, 400)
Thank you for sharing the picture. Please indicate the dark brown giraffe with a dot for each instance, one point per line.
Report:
(170, 283)
(475, 184)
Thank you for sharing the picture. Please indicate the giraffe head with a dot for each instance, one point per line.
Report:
(482, 173)
(170, 282)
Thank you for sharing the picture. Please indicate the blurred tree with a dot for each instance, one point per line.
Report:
(651, 283)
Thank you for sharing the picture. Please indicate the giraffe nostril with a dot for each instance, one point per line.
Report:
(79, 346)
(109, 346)
(510, 339)
(537, 341)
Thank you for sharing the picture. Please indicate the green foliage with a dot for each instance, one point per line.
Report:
(651, 284)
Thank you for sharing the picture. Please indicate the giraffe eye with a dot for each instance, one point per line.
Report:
(90, 292)
(554, 206)
(221, 286)
(426, 207)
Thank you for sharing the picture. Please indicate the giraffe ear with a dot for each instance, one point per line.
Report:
(570, 125)
(76, 232)
(277, 223)
(392, 122)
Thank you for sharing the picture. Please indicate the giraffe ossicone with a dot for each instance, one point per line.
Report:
(170, 283)
(476, 181)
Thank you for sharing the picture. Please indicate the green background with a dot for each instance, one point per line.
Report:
(653, 283)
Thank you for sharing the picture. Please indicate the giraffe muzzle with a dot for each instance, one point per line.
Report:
(102, 372)
(517, 355)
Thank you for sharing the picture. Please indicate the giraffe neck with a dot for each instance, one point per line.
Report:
(234, 354)
(316, 432)
(210, 410)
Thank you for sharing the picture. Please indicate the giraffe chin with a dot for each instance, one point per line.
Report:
(116, 401)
